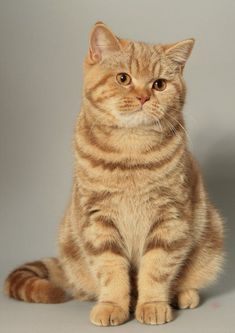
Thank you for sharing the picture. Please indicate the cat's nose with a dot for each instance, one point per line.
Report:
(143, 99)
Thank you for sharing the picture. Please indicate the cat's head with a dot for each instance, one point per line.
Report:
(129, 84)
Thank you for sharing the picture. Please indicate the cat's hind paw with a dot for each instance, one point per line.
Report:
(188, 299)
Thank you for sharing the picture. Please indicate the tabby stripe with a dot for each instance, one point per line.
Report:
(156, 68)
(131, 52)
(13, 281)
(196, 190)
(166, 246)
(102, 81)
(137, 64)
(155, 225)
(29, 289)
(166, 143)
(90, 138)
(90, 99)
(107, 246)
(103, 97)
(106, 222)
(21, 270)
(89, 93)
(125, 166)
(37, 271)
(177, 87)
(17, 288)
(103, 221)
(70, 249)
(160, 278)
(212, 237)
(181, 93)
(41, 266)
(92, 212)
(97, 198)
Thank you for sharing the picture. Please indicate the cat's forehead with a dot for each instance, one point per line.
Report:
(140, 59)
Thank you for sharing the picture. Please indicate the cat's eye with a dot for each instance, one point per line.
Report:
(159, 84)
(123, 79)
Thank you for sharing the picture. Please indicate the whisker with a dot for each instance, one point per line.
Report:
(157, 122)
(183, 128)
(171, 126)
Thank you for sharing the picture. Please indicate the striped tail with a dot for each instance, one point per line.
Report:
(39, 281)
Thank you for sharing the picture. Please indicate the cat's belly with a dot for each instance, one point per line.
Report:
(134, 221)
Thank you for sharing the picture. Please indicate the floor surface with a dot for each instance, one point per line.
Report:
(216, 314)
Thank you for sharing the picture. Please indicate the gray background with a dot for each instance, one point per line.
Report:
(42, 45)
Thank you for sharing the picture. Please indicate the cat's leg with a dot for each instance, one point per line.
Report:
(167, 246)
(203, 264)
(110, 267)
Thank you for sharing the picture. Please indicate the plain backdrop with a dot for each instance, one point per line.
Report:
(42, 46)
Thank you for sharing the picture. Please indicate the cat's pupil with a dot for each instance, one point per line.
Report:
(123, 78)
(160, 83)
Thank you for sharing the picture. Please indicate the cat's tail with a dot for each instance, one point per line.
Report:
(39, 281)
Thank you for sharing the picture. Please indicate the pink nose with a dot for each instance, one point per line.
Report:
(143, 99)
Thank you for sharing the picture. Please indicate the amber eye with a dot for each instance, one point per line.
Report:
(159, 84)
(123, 79)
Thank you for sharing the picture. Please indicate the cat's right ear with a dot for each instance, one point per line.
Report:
(102, 43)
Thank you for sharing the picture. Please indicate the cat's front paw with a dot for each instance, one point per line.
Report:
(108, 314)
(154, 313)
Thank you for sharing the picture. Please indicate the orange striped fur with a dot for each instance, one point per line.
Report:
(38, 281)
(140, 231)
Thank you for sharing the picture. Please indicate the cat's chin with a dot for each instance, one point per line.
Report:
(134, 119)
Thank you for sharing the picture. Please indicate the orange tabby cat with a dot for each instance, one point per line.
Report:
(140, 230)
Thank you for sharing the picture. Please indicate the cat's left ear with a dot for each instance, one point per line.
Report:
(180, 51)
(102, 42)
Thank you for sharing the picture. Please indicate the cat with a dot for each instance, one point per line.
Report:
(140, 233)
